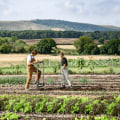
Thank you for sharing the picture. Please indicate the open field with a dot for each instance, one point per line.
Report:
(88, 98)
(57, 40)
(100, 86)
(6, 59)
(83, 85)
(66, 47)
(52, 101)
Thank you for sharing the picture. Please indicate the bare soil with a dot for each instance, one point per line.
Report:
(96, 85)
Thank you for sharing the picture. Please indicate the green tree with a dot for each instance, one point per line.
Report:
(14, 38)
(29, 48)
(1, 41)
(111, 47)
(91, 48)
(103, 50)
(101, 40)
(85, 45)
(5, 48)
(20, 42)
(45, 46)
(19, 46)
(19, 49)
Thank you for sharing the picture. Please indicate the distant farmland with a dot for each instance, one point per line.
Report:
(57, 40)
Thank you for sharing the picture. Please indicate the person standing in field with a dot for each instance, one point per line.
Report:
(30, 68)
(64, 70)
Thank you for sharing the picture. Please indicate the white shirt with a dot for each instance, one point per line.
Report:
(29, 57)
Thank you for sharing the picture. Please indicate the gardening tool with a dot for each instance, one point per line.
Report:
(37, 75)
(39, 66)
(43, 74)
(60, 74)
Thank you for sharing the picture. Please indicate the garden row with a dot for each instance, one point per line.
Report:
(79, 65)
(110, 81)
(61, 105)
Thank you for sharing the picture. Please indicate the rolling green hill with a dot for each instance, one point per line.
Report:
(55, 25)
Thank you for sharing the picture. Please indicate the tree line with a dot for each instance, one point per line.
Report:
(15, 45)
(38, 34)
(84, 45)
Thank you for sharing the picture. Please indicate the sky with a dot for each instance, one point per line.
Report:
(100, 12)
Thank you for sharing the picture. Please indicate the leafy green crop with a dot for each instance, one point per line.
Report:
(61, 105)
(9, 116)
(105, 117)
(13, 80)
(40, 105)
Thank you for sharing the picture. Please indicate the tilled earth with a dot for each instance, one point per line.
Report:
(96, 85)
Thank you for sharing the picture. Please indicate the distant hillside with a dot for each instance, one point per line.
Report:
(111, 27)
(55, 25)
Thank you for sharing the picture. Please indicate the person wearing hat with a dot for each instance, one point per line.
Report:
(30, 68)
(64, 70)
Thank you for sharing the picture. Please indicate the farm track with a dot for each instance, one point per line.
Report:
(96, 85)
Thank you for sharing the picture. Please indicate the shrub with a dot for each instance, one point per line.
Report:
(45, 46)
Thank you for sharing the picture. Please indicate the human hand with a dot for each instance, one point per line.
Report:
(61, 70)
(42, 61)
(37, 61)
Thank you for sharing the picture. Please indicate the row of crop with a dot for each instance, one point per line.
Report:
(74, 63)
(82, 61)
(22, 80)
(13, 80)
(72, 105)
(75, 66)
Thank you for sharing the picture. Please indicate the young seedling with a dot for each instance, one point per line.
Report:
(91, 64)
(80, 63)
(50, 81)
(55, 69)
(83, 80)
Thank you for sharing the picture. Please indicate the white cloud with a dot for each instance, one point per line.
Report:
(87, 11)
(116, 9)
(6, 12)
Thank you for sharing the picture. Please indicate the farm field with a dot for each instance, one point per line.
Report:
(7, 59)
(16, 64)
(57, 40)
(83, 85)
(66, 47)
(87, 99)
(95, 80)
(58, 106)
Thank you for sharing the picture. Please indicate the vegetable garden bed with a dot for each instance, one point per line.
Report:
(76, 106)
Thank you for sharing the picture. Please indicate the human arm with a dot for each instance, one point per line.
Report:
(34, 62)
(31, 60)
(64, 66)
